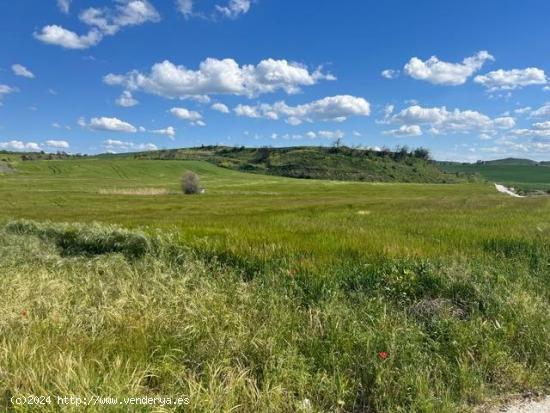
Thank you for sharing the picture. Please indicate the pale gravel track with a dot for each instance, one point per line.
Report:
(526, 406)
(507, 191)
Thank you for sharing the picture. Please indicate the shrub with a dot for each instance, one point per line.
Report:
(190, 183)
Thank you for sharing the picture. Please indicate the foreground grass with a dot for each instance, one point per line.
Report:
(95, 310)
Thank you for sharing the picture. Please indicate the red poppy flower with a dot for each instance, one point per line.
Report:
(383, 355)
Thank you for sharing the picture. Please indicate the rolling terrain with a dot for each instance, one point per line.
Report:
(269, 293)
(307, 162)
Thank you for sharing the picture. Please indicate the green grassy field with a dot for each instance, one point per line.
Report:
(525, 178)
(269, 293)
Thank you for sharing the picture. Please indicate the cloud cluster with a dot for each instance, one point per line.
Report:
(390, 73)
(537, 130)
(439, 120)
(57, 144)
(126, 100)
(439, 72)
(194, 118)
(231, 10)
(108, 124)
(322, 134)
(104, 21)
(57, 35)
(20, 70)
(234, 8)
(216, 77)
(542, 112)
(114, 146)
(512, 79)
(169, 131)
(20, 146)
(334, 108)
(513, 145)
(405, 130)
(220, 107)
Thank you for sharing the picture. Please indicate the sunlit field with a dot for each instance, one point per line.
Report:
(267, 293)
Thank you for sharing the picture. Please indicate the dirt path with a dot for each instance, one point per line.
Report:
(526, 406)
(504, 190)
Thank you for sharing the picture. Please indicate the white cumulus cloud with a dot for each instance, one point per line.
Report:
(108, 124)
(512, 79)
(186, 114)
(440, 120)
(126, 13)
(390, 73)
(328, 134)
(220, 107)
(234, 8)
(405, 130)
(439, 72)
(542, 112)
(126, 100)
(334, 108)
(57, 144)
(216, 76)
(59, 36)
(22, 71)
(20, 146)
(105, 21)
(112, 145)
(169, 131)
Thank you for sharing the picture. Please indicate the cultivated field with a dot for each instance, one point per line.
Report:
(267, 293)
(526, 178)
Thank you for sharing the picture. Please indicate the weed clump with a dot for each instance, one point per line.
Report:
(89, 240)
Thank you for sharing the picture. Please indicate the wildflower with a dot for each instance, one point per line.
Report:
(24, 313)
(383, 355)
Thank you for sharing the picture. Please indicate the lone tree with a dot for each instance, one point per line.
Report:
(190, 183)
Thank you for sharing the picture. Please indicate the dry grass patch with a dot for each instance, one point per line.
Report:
(135, 191)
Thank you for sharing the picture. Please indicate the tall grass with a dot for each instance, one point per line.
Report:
(83, 312)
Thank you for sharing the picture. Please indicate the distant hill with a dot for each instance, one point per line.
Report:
(509, 161)
(307, 162)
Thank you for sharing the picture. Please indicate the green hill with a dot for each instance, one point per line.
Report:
(337, 163)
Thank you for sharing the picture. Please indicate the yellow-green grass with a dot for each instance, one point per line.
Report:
(269, 294)
(256, 215)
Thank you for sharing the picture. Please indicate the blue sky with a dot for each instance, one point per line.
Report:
(465, 79)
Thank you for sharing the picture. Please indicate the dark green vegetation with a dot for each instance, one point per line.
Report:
(269, 293)
(336, 163)
(524, 175)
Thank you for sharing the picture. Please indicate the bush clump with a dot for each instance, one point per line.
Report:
(190, 183)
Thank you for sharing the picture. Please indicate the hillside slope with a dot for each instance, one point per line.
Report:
(341, 163)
